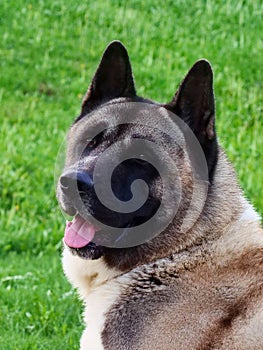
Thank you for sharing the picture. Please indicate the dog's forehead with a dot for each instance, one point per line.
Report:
(137, 118)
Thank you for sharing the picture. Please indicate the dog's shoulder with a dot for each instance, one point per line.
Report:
(216, 294)
(216, 287)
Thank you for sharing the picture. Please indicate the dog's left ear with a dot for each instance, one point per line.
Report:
(112, 79)
(194, 103)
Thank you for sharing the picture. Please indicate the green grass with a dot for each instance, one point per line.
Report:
(49, 51)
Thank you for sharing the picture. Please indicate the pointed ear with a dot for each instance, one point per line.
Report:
(112, 79)
(194, 103)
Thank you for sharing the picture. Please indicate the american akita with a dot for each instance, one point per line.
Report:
(197, 288)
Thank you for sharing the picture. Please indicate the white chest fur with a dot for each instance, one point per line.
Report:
(98, 303)
(99, 291)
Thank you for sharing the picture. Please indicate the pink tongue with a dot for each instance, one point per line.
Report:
(78, 232)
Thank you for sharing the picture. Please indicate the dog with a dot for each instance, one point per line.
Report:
(179, 284)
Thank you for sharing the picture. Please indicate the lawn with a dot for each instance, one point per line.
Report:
(49, 51)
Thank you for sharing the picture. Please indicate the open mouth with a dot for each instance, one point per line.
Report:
(90, 238)
(79, 234)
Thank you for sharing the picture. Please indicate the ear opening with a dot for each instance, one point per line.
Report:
(112, 79)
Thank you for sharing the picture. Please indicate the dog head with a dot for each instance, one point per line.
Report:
(131, 161)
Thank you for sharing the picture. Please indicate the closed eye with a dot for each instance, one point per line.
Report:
(94, 142)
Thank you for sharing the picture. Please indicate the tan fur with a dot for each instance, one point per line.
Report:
(219, 288)
(212, 287)
(198, 285)
(217, 302)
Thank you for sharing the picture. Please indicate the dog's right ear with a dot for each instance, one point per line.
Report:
(112, 79)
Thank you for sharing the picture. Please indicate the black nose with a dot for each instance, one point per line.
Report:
(76, 180)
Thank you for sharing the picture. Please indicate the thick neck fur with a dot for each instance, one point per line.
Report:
(224, 205)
